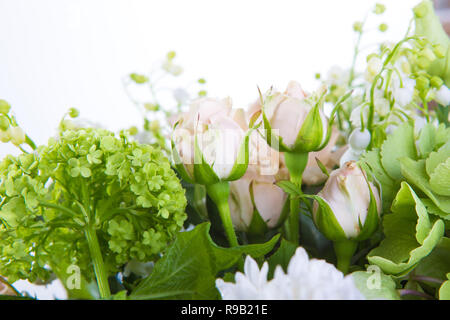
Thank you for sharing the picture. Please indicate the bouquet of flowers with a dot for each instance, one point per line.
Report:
(338, 193)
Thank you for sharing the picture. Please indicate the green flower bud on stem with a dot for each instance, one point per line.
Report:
(436, 82)
(357, 26)
(4, 106)
(422, 83)
(4, 122)
(379, 8)
(138, 78)
(383, 27)
(73, 113)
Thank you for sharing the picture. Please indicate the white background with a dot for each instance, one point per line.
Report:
(56, 54)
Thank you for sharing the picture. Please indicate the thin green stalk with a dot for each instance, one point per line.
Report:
(296, 164)
(345, 249)
(97, 259)
(219, 193)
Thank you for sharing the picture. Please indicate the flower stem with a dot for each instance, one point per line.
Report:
(219, 193)
(97, 260)
(410, 292)
(296, 164)
(345, 249)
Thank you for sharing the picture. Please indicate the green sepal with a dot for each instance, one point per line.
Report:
(310, 136)
(326, 221)
(257, 226)
(269, 137)
(203, 172)
(241, 162)
(372, 219)
(179, 165)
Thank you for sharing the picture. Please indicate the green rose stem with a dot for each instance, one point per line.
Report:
(296, 164)
(345, 249)
(219, 193)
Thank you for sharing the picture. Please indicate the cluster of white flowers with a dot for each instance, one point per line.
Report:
(305, 280)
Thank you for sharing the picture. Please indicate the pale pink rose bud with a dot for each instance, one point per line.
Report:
(287, 112)
(219, 133)
(347, 194)
(256, 194)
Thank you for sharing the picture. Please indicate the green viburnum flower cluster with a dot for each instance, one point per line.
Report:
(87, 199)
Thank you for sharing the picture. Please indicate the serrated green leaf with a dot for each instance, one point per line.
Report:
(440, 179)
(437, 157)
(399, 144)
(189, 267)
(414, 172)
(375, 285)
(410, 235)
(289, 187)
(427, 140)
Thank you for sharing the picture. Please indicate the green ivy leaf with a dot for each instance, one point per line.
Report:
(415, 173)
(375, 285)
(444, 291)
(189, 267)
(437, 263)
(440, 178)
(399, 144)
(410, 234)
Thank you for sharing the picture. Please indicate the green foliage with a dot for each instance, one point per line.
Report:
(189, 267)
(427, 168)
(125, 191)
(444, 291)
(410, 234)
(282, 256)
(375, 285)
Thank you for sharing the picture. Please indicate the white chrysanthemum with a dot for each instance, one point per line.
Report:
(305, 280)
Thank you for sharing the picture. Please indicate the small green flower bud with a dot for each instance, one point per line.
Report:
(73, 113)
(17, 135)
(171, 55)
(133, 131)
(357, 26)
(201, 81)
(4, 136)
(439, 51)
(406, 67)
(383, 27)
(317, 76)
(422, 83)
(421, 9)
(202, 93)
(4, 106)
(423, 62)
(436, 82)
(379, 8)
(138, 78)
(154, 125)
(151, 106)
(428, 53)
(4, 122)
